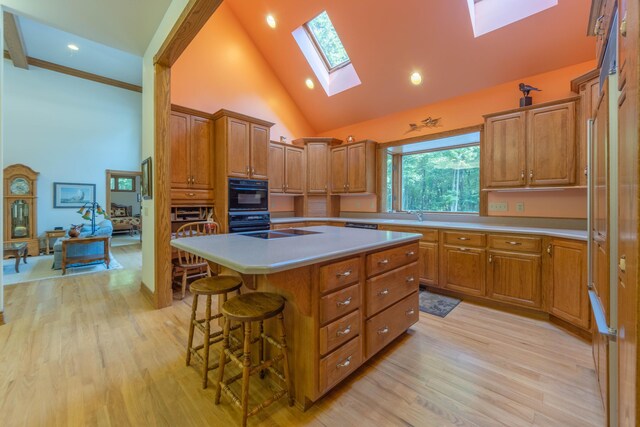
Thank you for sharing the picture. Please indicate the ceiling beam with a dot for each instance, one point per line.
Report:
(191, 21)
(78, 73)
(14, 42)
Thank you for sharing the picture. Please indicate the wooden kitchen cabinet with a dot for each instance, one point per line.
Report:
(286, 169)
(588, 87)
(191, 155)
(463, 269)
(428, 263)
(353, 168)
(317, 167)
(531, 147)
(245, 142)
(515, 277)
(568, 299)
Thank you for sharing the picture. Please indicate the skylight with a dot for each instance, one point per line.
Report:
(326, 39)
(489, 15)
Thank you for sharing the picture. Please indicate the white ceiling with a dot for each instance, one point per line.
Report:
(127, 25)
(50, 44)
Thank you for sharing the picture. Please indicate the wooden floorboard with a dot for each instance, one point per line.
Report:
(90, 350)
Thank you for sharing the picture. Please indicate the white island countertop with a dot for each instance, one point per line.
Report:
(251, 255)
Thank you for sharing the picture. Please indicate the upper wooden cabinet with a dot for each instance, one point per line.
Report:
(531, 147)
(245, 142)
(191, 155)
(317, 167)
(286, 169)
(588, 87)
(353, 168)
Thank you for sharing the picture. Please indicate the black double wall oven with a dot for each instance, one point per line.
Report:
(248, 205)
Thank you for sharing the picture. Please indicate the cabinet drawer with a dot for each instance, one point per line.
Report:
(287, 225)
(390, 287)
(339, 364)
(188, 194)
(516, 243)
(464, 238)
(382, 328)
(428, 234)
(340, 331)
(339, 303)
(339, 274)
(382, 261)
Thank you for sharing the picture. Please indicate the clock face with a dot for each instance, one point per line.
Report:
(19, 186)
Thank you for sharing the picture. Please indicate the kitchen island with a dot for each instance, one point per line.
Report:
(349, 293)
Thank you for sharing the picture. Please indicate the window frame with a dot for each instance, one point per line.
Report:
(116, 186)
(318, 47)
(396, 181)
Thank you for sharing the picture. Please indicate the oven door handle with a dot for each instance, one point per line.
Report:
(247, 189)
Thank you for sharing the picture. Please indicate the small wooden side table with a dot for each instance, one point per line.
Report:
(85, 259)
(17, 250)
(49, 234)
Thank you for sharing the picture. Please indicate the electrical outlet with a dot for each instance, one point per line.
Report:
(498, 206)
(520, 207)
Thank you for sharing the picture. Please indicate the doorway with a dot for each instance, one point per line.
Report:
(123, 203)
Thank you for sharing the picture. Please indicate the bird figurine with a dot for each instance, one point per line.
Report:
(525, 89)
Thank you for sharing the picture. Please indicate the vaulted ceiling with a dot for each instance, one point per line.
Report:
(388, 40)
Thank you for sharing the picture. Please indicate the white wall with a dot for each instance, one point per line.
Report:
(70, 130)
(128, 198)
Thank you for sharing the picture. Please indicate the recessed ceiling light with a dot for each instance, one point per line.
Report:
(310, 83)
(73, 46)
(271, 21)
(416, 78)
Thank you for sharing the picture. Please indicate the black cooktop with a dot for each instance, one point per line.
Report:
(287, 232)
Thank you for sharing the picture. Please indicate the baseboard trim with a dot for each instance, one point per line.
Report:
(148, 294)
(572, 329)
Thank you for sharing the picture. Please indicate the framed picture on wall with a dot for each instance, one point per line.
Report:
(73, 195)
(146, 186)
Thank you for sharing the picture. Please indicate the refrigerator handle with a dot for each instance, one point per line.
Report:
(601, 321)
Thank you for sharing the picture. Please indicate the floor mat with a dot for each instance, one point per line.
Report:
(438, 305)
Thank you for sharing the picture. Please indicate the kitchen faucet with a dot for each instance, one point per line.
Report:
(420, 215)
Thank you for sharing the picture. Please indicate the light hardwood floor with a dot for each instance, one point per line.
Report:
(90, 350)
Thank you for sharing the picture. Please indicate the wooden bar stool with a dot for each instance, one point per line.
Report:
(209, 286)
(247, 308)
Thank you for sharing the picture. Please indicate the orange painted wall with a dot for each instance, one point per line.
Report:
(467, 111)
(222, 68)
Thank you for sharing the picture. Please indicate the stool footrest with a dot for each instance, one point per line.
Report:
(266, 365)
(277, 373)
(273, 341)
(234, 397)
(266, 403)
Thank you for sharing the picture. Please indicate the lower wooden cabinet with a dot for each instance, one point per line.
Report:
(382, 328)
(339, 364)
(288, 225)
(515, 278)
(569, 299)
(428, 263)
(463, 269)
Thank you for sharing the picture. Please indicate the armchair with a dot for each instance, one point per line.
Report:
(104, 228)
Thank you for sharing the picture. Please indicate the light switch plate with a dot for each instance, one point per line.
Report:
(498, 206)
(520, 207)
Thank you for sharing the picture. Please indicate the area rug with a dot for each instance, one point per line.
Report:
(39, 268)
(438, 305)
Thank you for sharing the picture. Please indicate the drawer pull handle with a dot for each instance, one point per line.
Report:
(410, 279)
(344, 332)
(383, 292)
(411, 253)
(463, 238)
(191, 194)
(514, 243)
(463, 249)
(344, 364)
(343, 303)
(383, 331)
(384, 261)
(345, 274)
(410, 312)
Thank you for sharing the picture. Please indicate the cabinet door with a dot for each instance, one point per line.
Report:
(356, 168)
(238, 148)
(504, 160)
(317, 158)
(464, 270)
(276, 168)
(428, 263)
(201, 153)
(294, 170)
(179, 150)
(259, 152)
(551, 145)
(515, 278)
(339, 170)
(569, 299)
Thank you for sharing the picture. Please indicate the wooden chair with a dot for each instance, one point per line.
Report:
(248, 308)
(186, 265)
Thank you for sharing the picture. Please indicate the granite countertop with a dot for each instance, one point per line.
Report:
(250, 255)
(551, 232)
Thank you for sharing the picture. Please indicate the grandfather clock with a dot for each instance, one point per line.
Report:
(20, 207)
